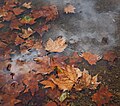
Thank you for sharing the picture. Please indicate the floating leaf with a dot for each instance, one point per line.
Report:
(56, 46)
(91, 58)
(109, 56)
(69, 9)
(27, 5)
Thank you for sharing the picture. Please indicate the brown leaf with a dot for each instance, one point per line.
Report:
(109, 56)
(9, 16)
(27, 33)
(102, 96)
(1, 25)
(31, 80)
(18, 40)
(51, 104)
(48, 84)
(56, 46)
(74, 58)
(27, 5)
(69, 9)
(17, 11)
(15, 24)
(67, 77)
(91, 58)
(42, 29)
(86, 81)
(8, 100)
(27, 20)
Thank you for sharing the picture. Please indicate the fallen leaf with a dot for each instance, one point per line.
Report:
(67, 77)
(75, 58)
(86, 81)
(1, 25)
(27, 33)
(48, 83)
(18, 11)
(91, 58)
(27, 5)
(56, 46)
(8, 100)
(69, 9)
(9, 16)
(64, 96)
(42, 29)
(51, 104)
(102, 96)
(109, 56)
(18, 40)
(15, 24)
(27, 20)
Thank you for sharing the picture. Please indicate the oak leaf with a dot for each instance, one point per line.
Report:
(102, 96)
(69, 9)
(56, 46)
(91, 58)
(27, 5)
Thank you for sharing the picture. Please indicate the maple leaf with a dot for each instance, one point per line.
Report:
(69, 9)
(8, 100)
(56, 46)
(86, 81)
(27, 20)
(67, 77)
(109, 56)
(27, 5)
(91, 58)
(31, 80)
(48, 83)
(27, 33)
(1, 25)
(18, 40)
(42, 29)
(17, 11)
(51, 104)
(15, 24)
(9, 16)
(74, 58)
(102, 96)
(50, 12)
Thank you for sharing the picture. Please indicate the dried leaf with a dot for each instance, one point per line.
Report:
(91, 58)
(67, 77)
(109, 56)
(56, 46)
(27, 5)
(86, 81)
(27, 20)
(48, 84)
(18, 40)
(27, 33)
(64, 96)
(51, 104)
(42, 29)
(1, 25)
(69, 9)
(15, 24)
(102, 96)
(17, 11)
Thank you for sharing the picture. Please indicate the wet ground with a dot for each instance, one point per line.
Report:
(95, 27)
